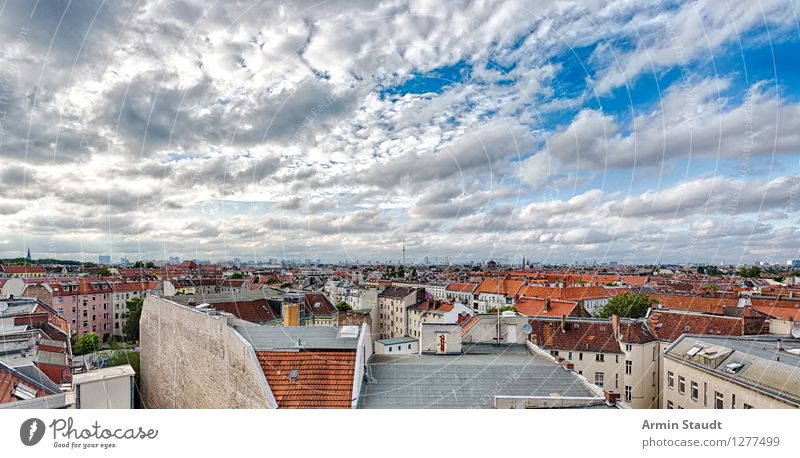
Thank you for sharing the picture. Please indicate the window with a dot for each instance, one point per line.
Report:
(580, 356)
(695, 391)
(616, 380)
(628, 367)
(409, 346)
(670, 380)
(719, 401)
(600, 357)
(733, 401)
(569, 356)
(654, 378)
(628, 393)
(628, 347)
(654, 353)
(599, 378)
(554, 353)
(681, 384)
(669, 405)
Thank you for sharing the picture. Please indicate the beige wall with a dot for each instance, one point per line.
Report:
(428, 342)
(191, 359)
(708, 384)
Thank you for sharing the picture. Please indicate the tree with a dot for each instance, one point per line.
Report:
(476, 268)
(138, 265)
(104, 273)
(236, 276)
(505, 308)
(150, 265)
(122, 358)
(750, 272)
(401, 271)
(343, 306)
(413, 272)
(627, 305)
(131, 329)
(87, 343)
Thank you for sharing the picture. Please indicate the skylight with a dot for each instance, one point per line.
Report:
(694, 350)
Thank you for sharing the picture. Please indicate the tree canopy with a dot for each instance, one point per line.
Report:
(627, 305)
(131, 329)
(87, 343)
(343, 306)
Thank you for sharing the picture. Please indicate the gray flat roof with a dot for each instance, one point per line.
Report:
(764, 368)
(265, 338)
(397, 340)
(463, 381)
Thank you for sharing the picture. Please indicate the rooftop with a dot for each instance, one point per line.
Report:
(754, 361)
(464, 381)
(295, 338)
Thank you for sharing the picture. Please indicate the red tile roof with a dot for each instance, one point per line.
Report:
(257, 311)
(536, 307)
(503, 286)
(8, 382)
(461, 287)
(577, 336)
(713, 305)
(568, 294)
(668, 325)
(325, 378)
(23, 269)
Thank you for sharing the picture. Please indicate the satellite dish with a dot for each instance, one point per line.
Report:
(796, 332)
(527, 329)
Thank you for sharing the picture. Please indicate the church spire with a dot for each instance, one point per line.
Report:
(29, 255)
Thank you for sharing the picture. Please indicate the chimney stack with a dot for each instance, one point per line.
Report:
(615, 325)
(546, 305)
(563, 323)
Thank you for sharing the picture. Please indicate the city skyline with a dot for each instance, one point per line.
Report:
(653, 133)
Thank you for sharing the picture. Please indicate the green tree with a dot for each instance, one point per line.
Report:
(131, 329)
(505, 308)
(236, 276)
(343, 306)
(138, 265)
(87, 343)
(401, 271)
(750, 272)
(104, 273)
(150, 265)
(414, 272)
(627, 305)
(476, 268)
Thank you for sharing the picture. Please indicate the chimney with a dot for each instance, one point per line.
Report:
(546, 305)
(563, 323)
(291, 314)
(611, 398)
(615, 325)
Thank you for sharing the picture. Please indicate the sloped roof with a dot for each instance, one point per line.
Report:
(324, 379)
(579, 335)
(714, 305)
(668, 325)
(536, 307)
(503, 286)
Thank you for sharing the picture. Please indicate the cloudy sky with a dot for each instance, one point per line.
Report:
(612, 131)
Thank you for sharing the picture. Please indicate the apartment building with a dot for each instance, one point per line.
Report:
(494, 293)
(722, 372)
(86, 304)
(461, 292)
(393, 304)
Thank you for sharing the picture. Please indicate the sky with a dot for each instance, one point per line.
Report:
(635, 132)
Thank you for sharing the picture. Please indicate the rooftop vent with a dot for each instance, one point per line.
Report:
(687, 328)
(694, 350)
(348, 332)
(733, 368)
(24, 392)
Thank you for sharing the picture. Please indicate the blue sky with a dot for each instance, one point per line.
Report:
(464, 129)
